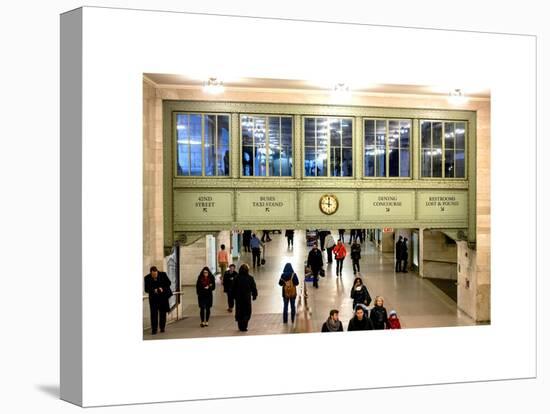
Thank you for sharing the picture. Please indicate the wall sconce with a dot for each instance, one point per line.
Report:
(213, 86)
(341, 91)
(457, 97)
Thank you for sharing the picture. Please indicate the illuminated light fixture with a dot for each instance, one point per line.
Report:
(456, 97)
(341, 91)
(213, 86)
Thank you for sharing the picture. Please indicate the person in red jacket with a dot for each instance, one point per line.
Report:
(340, 253)
(393, 320)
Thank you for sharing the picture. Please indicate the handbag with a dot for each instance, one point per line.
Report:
(322, 272)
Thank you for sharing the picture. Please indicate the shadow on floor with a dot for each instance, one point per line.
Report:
(50, 389)
(446, 286)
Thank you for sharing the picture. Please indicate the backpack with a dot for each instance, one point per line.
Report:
(289, 289)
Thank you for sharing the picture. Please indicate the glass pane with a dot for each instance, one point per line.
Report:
(460, 171)
(437, 133)
(394, 163)
(347, 132)
(335, 162)
(347, 163)
(393, 135)
(309, 162)
(426, 163)
(460, 132)
(405, 132)
(196, 144)
(426, 132)
(274, 161)
(369, 133)
(404, 169)
(223, 145)
(259, 131)
(247, 127)
(321, 166)
(369, 161)
(309, 132)
(248, 159)
(449, 163)
(437, 167)
(274, 131)
(380, 161)
(209, 145)
(381, 133)
(286, 131)
(449, 135)
(321, 126)
(286, 161)
(182, 140)
(335, 133)
(260, 159)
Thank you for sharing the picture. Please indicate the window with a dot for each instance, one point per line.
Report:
(202, 145)
(443, 149)
(387, 147)
(328, 150)
(266, 146)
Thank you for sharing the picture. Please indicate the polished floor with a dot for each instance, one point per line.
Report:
(418, 302)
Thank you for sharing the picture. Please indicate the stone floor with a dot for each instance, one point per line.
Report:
(418, 302)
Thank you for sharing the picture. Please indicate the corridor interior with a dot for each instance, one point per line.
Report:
(417, 301)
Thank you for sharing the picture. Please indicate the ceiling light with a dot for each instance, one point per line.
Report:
(213, 86)
(457, 97)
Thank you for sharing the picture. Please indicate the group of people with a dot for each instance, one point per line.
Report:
(401, 255)
(362, 321)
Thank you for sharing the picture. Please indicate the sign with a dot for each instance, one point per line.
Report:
(388, 230)
(387, 205)
(272, 205)
(442, 205)
(203, 206)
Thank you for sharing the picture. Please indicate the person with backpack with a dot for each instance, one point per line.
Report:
(289, 280)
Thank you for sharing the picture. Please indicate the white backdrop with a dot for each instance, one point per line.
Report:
(30, 372)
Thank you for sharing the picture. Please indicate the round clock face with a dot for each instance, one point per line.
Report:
(328, 204)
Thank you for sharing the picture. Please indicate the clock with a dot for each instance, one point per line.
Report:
(328, 204)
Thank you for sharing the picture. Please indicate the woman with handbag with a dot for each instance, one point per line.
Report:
(205, 285)
(359, 293)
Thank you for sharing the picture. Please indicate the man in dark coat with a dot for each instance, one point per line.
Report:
(228, 278)
(244, 292)
(157, 285)
(247, 235)
(315, 263)
(398, 252)
(289, 234)
(404, 256)
(360, 321)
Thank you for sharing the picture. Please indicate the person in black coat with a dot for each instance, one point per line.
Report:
(355, 256)
(244, 291)
(359, 293)
(228, 278)
(315, 263)
(360, 321)
(205, 285)
(398, 253)
(378, 314)
(157, 285)
(289, 234)
(404, 256)
(247, 235)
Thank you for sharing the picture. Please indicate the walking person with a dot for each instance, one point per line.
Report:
(352, 235)
(205, 285)
(322, 237)
(359, 235)
(360, 293)
(223, 260)
(256, 246)
(265, 236)
(247, 235)
(289, 234)
(228, 278)
(378, 314)
(398, 254)
(404, 256)
(341, 234)
(340, 253)
(355, 256)
(393, 320)
(333, 323)
(329, 244)
(244, 291)
(360, 320)
(315, 263)
(157, 285)
(289, 281)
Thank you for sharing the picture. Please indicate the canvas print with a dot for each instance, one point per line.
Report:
(276, 206)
